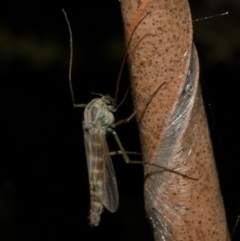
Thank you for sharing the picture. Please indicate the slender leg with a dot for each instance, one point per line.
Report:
(79, 105)
(128, 161)
(125, 120)
(145, 105)
(122, 151)
(114, 153)
(124, 154)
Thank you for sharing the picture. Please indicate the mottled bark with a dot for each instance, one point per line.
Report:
(173, 126)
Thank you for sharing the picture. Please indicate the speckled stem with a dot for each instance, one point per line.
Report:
(173, 126)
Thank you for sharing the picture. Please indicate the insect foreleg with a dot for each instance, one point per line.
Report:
(79, 105)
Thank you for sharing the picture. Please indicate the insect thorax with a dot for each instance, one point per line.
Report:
(99, 111)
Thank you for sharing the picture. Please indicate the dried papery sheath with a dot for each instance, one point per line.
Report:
(173, 129)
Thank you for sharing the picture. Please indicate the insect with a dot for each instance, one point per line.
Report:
(98, 122)
(98, 118)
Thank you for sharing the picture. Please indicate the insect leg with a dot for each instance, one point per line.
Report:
(79, 105)
(113, 153)
(145, 105)
(128, 161)
(70, 65)
(125, 120)
(123, 152)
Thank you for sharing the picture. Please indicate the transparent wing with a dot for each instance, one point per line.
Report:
(110, 189)
(100, 168)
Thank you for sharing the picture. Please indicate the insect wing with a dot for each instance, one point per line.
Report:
(110, 197)
(102, 177)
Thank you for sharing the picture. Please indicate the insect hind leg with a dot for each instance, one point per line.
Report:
(128, 161)
(114, 153)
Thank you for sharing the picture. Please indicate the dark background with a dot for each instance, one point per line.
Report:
(44, 193)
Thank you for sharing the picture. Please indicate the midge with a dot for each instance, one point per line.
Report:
(98, 122)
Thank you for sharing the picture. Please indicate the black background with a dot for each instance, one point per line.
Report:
(44, 193)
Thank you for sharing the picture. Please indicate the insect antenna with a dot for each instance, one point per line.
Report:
(122, 65)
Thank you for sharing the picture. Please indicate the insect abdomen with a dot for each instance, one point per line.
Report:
(96, 206)
(96, 210)
(96, 183)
